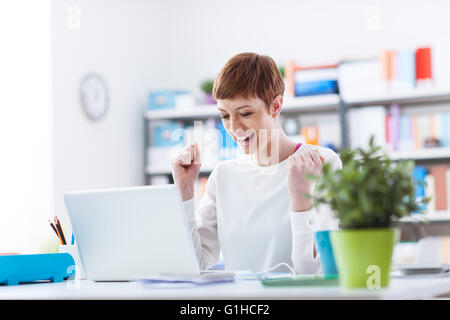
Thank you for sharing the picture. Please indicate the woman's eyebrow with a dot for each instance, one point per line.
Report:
(244, 106)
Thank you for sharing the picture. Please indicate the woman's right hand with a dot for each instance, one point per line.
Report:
(185, 170)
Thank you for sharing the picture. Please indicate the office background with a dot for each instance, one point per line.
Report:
(48, 144)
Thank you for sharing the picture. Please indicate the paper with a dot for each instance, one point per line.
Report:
(187, 280)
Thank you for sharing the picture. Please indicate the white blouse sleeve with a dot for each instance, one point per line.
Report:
(203, 225)
(305, 224)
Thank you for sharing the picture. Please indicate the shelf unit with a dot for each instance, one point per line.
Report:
(316, 104)
(439, 153)
(417, 96)
(413, 228)
(322, 103)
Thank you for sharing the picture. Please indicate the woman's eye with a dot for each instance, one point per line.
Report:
(246, 114)
(223, 117)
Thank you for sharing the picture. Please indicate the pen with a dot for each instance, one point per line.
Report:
(56, 231)
(58, 227)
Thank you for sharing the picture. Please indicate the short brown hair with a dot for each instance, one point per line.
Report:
(249, 74)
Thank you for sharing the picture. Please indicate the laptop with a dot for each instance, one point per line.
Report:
(127, 233)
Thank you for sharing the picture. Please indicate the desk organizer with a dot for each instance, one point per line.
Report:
(56, 267)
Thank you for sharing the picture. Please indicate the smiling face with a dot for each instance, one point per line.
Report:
(250, 122)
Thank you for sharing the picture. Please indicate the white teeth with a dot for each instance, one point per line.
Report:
(243, 138)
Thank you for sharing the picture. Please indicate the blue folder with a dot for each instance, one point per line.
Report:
(25, 268)
(315, 87)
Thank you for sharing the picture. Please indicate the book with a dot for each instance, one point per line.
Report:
(301, 280)
(311, 135)
(164, 134)
(406, 70)
(440, 185)
(394, 125)
(405, 133)
(447, 179)
(423, 129)
(360, 80)
(387, 128)
(443, 131)
(387, 61)
(315, 88)
(423, 65)
(430, 193)
(419, 174)
(365, 123)
(329, 131)
(311, 75)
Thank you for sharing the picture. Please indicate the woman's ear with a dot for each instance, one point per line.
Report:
(275, 107)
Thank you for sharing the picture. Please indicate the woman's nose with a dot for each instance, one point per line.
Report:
(233, 124)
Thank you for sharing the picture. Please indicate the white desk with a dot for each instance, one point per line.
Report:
(400, 288)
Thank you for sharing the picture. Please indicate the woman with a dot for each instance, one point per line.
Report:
(255, 208)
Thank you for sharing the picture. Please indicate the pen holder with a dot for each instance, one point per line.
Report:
(73, 251)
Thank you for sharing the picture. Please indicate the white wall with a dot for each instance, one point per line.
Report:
(205, 34)
(25, 124)
(120, 40)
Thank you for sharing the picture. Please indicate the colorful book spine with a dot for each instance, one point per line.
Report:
(394, 126)
(430, 193)
(440, 186)
(387, 61)
(416, 132)
(388, 131)
(444, 132)
(424, 74)
(405, 138)
(419, 175)
(406, 69)
(311, 135)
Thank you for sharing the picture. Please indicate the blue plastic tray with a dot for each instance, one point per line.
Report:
(24, 268)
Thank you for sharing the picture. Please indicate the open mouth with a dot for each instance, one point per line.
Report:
(245, 141)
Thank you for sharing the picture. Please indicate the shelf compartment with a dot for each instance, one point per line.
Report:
(328, 102)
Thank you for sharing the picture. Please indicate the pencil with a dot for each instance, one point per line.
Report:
(59, 228)
(56, 231)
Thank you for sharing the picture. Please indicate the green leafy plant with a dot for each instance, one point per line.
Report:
(207, 86)
(281, 69)
(370, 191)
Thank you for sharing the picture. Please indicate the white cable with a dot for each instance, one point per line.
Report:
(278, 265)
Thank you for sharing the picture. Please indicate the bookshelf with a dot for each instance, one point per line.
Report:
(291, 106)
(322, 103)
(317, 104)
(438, 153)
(413, 228)
(414, 97)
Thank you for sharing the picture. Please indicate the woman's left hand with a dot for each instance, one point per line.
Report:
(300, 165)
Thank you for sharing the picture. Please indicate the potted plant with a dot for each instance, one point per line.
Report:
(207, 88)
(281, 69)
(369, 195)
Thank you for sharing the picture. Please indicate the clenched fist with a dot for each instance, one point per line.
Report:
(185, 170)
(300, 165)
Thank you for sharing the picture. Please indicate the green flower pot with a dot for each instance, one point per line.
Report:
(363, 256)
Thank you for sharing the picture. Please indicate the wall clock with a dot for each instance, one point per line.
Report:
(94, 96)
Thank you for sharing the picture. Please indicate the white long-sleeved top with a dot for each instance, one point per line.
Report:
(245, 212)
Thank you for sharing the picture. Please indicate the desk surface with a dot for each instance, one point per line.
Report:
(400, 288)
